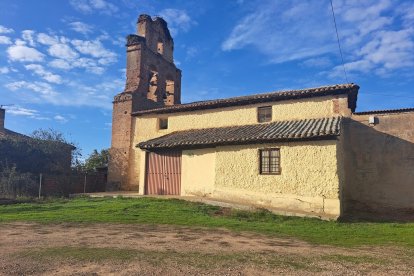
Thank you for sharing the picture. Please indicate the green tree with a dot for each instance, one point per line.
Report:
(96, 160)
(56, 148)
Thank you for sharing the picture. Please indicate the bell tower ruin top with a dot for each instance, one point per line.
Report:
(157, 36)
(152, 79)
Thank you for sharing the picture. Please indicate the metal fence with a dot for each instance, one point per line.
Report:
(14, 184)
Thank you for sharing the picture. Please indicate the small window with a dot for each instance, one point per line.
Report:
(264, 114)
(163, 123)
(269, 161)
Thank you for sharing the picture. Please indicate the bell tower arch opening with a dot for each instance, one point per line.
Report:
(160, 47)
(169, 91)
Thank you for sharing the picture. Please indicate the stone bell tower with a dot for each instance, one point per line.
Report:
(152, 80)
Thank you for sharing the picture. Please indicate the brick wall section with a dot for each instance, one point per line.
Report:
(2, 117)
(152, 80)
(121, 139)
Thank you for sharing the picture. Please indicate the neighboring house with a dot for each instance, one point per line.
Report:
(303, 151)
(32, 155)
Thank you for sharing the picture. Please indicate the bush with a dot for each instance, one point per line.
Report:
(14, 184)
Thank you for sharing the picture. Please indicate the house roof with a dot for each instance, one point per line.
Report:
(8, 134)
(386, 111)
(350, 89)
(309, 129)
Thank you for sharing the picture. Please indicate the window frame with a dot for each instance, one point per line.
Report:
(160, 120)
(279, 167)
(259, 109)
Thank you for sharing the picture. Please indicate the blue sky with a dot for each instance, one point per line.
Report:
(61, 62)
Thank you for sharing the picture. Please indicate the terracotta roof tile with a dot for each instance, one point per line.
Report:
(350, 89)
(258, 133)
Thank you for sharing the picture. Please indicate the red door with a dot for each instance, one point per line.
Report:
(163, 173)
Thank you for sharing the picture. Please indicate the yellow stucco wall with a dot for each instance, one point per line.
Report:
(146, 127)
(308, 169)
(309, 180)
(198, 172)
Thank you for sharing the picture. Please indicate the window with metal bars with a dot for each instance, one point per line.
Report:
(264, 114)
(269, 161)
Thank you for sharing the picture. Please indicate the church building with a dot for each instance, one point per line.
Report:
(300, 151)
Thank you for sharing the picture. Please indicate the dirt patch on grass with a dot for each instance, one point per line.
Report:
(105, 249)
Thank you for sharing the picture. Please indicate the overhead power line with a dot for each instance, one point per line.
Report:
(339, 43)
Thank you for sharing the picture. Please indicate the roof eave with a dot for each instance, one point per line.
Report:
(242, 142)
(352, 93)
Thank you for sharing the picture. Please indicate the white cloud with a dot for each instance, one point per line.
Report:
(90, 6)
(318, 62)
(46, 75)
(42, 88)
(297, 32)
(88, 64)
(111, 86)
(96, 50)
(75, 94)
(5, 40)
(191, 52)
(61, 64)
(60, 119)
(28, 35)
(4, 30)
(178, 20)
(20, 111)
(47, 39)
(406, 10)
(62, 51)
(21, 52)
(81, 27)
(4, 70)
(377, 35)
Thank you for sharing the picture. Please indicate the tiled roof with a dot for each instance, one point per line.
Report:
(259, 133)
(350, 89)
(402, 110)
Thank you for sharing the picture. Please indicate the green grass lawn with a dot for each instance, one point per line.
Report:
(183, 213)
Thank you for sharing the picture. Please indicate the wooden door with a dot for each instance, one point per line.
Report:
(163, 173)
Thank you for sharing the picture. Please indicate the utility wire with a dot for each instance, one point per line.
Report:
(339, 43)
